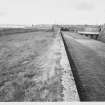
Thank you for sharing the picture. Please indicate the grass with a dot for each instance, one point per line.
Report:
(22, 60)
(10, 31)
(76, 35)
(90, 63)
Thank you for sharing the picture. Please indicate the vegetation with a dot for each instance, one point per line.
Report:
(102, 34)
(88, 57)
(23, 70)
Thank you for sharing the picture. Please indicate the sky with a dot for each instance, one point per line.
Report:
(52, 11)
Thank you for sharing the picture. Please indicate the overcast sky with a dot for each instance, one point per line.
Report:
(52, 11)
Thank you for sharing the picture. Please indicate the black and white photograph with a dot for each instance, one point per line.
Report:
(52, 51)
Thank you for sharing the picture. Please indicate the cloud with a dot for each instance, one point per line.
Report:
(3, 13)
(84, 6)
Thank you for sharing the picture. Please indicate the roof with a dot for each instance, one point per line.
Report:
(92, 33)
